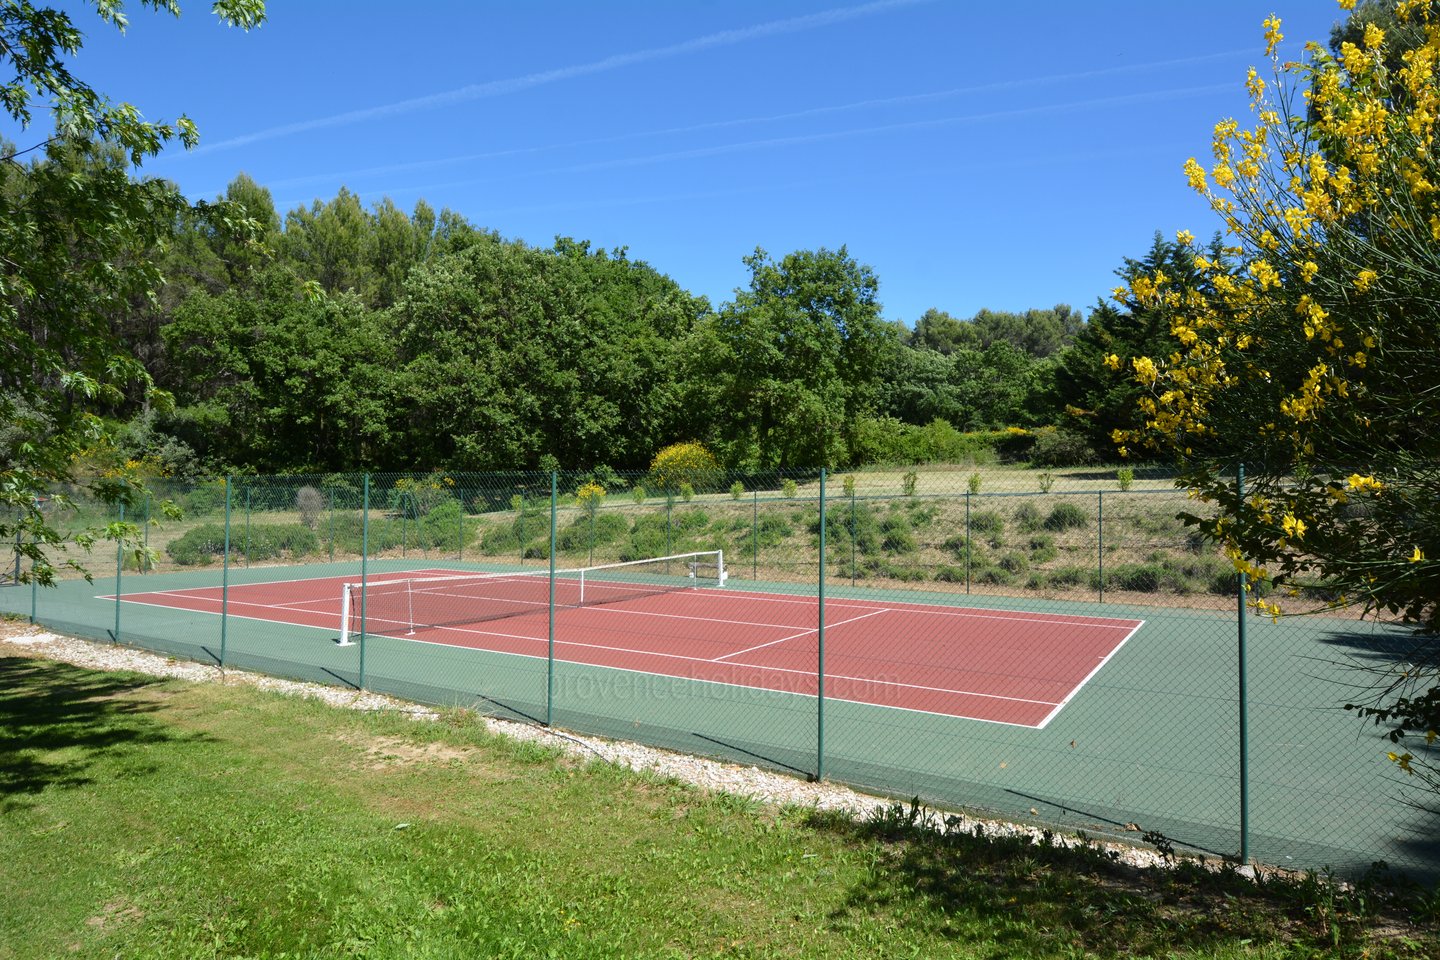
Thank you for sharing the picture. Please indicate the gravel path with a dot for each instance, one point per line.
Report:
(760, 785)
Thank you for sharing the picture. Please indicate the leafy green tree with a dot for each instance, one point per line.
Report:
(1037, 333)
(276, 380)
(917, 387)
(326, 242)
(938, 331)
(509, 354)
(993, 385)
(397, 243)
(78, 240)
(794, 361)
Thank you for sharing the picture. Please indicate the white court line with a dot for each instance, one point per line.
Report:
(796, 636)
(981, 613)
(748, 666)
(716, 683)
(611, 608)
(1078, 687)
(238, 616)
(220, 601)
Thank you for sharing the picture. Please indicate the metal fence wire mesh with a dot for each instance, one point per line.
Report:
(1043, 648)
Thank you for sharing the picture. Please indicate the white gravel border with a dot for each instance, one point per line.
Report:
(763, 786)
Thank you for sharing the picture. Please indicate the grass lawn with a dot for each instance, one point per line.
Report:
(159, 818)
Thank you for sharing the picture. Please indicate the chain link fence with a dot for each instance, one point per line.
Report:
(1047, 647)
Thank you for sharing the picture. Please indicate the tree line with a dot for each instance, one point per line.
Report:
(340, 337)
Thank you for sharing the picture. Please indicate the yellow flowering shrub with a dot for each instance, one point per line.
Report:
(589, 496)
(1311, 349)
(688, 462)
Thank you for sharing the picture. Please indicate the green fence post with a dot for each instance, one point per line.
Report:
(332, 525)
(590, 508)
(669, 505)
(521, 522)
(1100, 529)
(119, 565)
(820, 648)
(145, 559)
(247, 528)
(755, 535)
(364, 570)
(852, 536)
(550, 641)
(968, 546)
(34, 598)
(225, 577)
(460, 531)
(1244, 705)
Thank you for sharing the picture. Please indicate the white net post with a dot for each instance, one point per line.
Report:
(410, 606)
(345, 640)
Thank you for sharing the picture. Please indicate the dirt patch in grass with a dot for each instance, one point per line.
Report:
(113, 914)
(389, 753)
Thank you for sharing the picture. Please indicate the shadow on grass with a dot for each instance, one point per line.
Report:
(1039, 897)
(57, 721)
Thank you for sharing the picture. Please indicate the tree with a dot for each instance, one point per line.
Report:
(270, 378)
(509, 354)
(1098, 400)
(78, 242)
(794, 361)
(937, 330)
(1311, 357)
(1039, 333)
(992, 385)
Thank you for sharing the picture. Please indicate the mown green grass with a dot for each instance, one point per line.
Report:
(149, 818)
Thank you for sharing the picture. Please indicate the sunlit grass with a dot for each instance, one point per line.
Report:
(146, 818)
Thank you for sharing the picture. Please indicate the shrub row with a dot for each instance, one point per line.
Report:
(262, 541)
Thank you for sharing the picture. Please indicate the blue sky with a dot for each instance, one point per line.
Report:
(1000, 155)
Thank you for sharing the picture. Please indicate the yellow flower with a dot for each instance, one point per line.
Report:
(1417, 556)
(1184, 237)
(1374, 37)
(1364, 484)
(1195, 174)
(1113, 361)
(1364, 279)
(1254, 84)
(1294, 527)
(1402, 760)
(1272, 34)
(1347, 4)
(1145, 370)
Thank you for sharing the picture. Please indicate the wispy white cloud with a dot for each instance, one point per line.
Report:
(496, 88)
(998, 86)
(1148, 96)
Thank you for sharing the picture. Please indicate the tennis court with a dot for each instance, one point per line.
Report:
(974, 654)
(998, 666)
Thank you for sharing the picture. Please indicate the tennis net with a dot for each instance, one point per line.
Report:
(400, 607)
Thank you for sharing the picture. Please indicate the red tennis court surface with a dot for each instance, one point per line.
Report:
(1001, 666)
